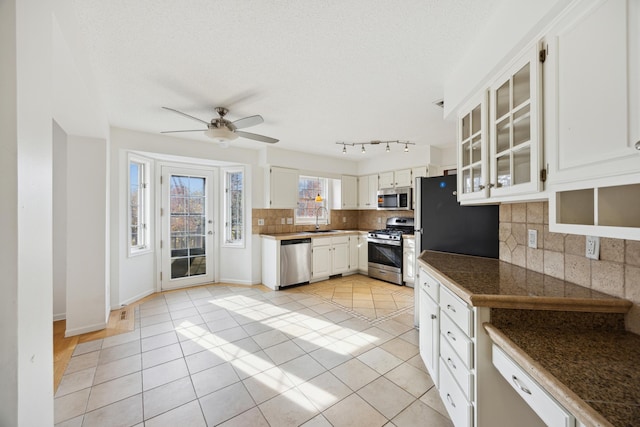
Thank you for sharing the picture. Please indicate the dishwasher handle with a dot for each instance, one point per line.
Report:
(294, 241)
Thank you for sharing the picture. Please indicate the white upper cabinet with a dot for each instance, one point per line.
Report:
(499, 135)
(282, 187)
(368, 192)
(418, 172)
(386, 180)
(403, 178)
(349, 192)
(473, 143)
(592, 83)
(393, 179)
(515, 155)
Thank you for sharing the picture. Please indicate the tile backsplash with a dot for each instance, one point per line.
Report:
(340, 220)
(617, 272)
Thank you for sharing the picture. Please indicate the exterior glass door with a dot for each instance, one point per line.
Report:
(187, 223)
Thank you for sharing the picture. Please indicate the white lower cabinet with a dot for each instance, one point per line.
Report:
(458, 355)
(354, 253)
(330, 255)
(459, 408)
(363, 254)
(320, 258)
(409, 261)
(545, 406)
(429, 320)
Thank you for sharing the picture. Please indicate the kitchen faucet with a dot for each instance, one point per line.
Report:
(318, 210)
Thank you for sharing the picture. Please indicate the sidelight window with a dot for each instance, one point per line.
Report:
(138, 205)
(234, 207)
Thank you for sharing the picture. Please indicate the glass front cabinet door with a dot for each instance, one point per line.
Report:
(473, 171)
(515, 136)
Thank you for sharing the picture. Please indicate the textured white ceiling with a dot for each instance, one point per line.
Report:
(318, 71)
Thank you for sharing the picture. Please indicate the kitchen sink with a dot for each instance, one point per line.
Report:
(322, 231)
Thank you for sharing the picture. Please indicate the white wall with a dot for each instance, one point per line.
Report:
(87, 228)
(512, 27)
(26, 353)
(330, 166)
(59, 222)
(136, 276)
(418, 155)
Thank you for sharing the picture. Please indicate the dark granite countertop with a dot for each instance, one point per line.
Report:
(569, 338)
(488, 282)
(595, 374)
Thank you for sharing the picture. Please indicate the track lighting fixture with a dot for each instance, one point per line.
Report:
(375, 142)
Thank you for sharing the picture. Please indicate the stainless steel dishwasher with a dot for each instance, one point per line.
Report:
(295, 261)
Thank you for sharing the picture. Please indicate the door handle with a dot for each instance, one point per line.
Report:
(210, 232)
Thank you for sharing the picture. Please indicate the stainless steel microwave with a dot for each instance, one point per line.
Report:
(395, 198)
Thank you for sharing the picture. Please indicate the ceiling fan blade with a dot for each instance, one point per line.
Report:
(175, 131)
(186, 115)
(248, 121)
(256, 137)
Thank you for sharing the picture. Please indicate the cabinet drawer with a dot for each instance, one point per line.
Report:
(457, 310)
(340, 239)
(460, 373)
(429, 285)
(459, 408)
(321, 241)
(547, 408)
(459, 342)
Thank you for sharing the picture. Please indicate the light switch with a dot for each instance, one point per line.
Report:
(260, 221)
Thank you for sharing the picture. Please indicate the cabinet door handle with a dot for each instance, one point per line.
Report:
(450, 307)
(450, 362)
(517, 382)
(481, 187)
(433, 316)
(450, 335)
(450, 400)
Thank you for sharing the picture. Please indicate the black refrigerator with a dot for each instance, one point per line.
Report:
(442, 224)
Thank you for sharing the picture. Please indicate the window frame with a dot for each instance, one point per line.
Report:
(144, 206)
(325, 217)
(228, 211)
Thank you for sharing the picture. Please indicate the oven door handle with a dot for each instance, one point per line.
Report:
(384, 241)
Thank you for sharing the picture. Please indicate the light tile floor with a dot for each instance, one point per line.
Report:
(341, 352)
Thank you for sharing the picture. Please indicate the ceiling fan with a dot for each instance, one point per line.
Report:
(222, 130)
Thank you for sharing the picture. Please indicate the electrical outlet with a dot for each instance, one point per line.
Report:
(260, 221)
(282, 221)
(344, 219)
(533, 239)
(289, 221)
(593, 247)
(379, 220)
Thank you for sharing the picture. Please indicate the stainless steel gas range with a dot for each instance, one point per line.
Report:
(385, 249)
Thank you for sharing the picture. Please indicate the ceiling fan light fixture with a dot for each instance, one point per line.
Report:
(220, 134)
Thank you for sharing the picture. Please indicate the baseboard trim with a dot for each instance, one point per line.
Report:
(134, 299)
(85, 329)
(236, 282)
(61, 316)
